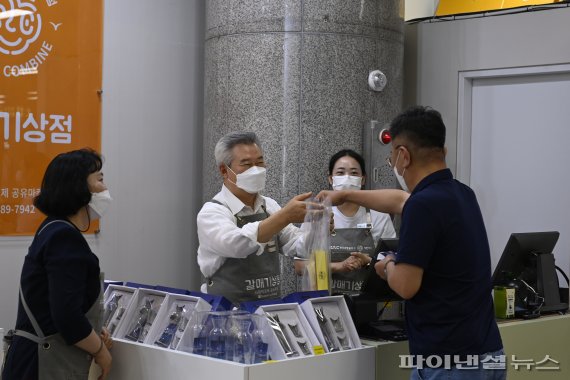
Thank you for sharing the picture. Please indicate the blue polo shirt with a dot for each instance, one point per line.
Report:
(443, 232)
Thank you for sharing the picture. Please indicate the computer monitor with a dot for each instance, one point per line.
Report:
(387, 244)
(527, 263)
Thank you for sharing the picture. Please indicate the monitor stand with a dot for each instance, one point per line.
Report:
(547, 284)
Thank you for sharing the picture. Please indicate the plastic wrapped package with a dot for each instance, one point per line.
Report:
(173, 319)
(117, 300)
(332, 323)
(288, 333)
(140, 315)
(230, 335)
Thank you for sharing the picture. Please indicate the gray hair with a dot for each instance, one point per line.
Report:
(223, 149)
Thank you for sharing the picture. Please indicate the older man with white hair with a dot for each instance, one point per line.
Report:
(241, 232)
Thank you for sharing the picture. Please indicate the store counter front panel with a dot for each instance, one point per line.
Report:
(135, 361)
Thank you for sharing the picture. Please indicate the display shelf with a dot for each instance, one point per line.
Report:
(135, 361)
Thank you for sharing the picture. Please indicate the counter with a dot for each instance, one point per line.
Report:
(134, 361)
(526, 343)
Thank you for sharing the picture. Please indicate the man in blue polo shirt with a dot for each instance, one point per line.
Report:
(443, 266)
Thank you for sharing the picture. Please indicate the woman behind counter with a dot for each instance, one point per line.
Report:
(59, 311)
(356, 229)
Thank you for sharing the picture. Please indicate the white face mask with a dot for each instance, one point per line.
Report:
(98, 204)
(347, 182)
(399, 177)
(252, 180)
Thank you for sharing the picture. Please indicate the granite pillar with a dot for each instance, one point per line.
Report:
(296, 72)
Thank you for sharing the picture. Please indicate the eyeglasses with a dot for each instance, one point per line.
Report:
(389, 158)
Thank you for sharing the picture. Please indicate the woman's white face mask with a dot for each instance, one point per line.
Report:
(98, 204)
(346, 182)
(252, 180)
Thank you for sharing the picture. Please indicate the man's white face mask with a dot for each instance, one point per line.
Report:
(399, 177)
(252, 180)
(346, 182)
(98, 204)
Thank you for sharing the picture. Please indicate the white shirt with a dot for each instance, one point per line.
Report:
(220, 237)
(382, 226)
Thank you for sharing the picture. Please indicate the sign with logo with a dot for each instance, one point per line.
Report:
(50, 89)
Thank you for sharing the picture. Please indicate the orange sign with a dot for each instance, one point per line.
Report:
(454, 7)
(50, 82)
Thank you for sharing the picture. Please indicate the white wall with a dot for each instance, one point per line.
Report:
(519, 149)
(436, 53)
(419, 9)
(152, 137)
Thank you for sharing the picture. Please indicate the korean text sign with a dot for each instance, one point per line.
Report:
(50, 82)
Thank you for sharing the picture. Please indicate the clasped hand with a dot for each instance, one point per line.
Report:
(355, 261)
(106, 337)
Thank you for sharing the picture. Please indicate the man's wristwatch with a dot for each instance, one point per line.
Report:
(386, 266)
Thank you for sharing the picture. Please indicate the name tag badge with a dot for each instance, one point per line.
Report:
(364, 225)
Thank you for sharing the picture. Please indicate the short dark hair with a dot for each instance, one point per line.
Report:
(350, 153)
(64, 186)
(422, 126)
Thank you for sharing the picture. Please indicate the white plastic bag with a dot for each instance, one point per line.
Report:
(316, 273)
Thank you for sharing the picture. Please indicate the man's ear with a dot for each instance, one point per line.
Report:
(223, 170)
(406, 157)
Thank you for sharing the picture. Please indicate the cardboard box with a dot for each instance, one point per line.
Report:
(296, 330)
(141, 314)
(117, 300)
(175, 313)
(335, 329)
